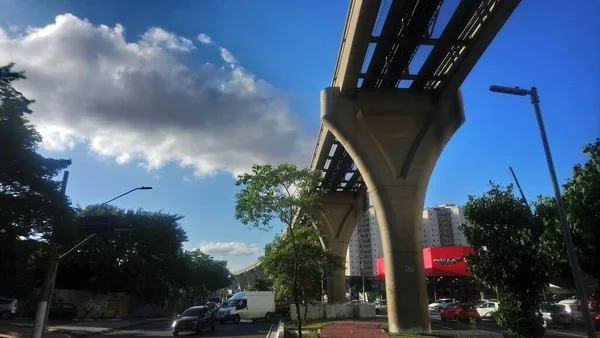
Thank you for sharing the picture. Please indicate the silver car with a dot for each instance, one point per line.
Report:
(8, 307)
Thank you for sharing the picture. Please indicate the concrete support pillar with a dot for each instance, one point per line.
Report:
(395, 139)
(342, 213)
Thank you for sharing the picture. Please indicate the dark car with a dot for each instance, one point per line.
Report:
(195, 319)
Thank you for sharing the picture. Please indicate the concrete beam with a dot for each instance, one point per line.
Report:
(358, 30)
(342, 213)
(395, 139)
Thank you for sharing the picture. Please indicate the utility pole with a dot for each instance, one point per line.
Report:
(518, 186)
(566, 230)
(45, 300)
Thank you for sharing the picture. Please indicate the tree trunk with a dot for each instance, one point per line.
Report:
(305, 307)
(295, 281)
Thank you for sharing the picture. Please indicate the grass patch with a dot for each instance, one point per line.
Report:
(310, 325)
(305, 335)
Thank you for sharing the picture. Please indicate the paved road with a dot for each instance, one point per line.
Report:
(163, 329)
(437, 324)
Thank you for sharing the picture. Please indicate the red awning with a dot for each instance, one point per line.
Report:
(440, 262)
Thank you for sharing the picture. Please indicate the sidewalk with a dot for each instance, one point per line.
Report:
(23, 328)
(353, 329)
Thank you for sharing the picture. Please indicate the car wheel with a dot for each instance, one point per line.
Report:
(268, 317)
(237, 319)
(456, 318)
(175, 333)
(5, 315)
(198, 328)
(213, 327)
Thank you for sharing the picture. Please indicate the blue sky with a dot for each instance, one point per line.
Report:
(287, 51)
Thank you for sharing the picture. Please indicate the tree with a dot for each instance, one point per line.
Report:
(30, 201)
(144, 261)
(278, 263)
(582, 204)
(509, 257)
(261, 285)
(203, 274)
(581, 197)
(284, 193)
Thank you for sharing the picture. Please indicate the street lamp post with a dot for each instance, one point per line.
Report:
(41, 318)
(98, 206)
(535, 100)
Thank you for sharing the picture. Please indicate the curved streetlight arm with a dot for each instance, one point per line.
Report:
(129, 192)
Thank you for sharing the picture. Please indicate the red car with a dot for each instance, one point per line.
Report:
(460, 311)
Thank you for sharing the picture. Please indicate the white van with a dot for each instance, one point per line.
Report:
(248, 305)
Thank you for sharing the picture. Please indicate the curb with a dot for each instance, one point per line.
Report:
(276, 331)
(108, 330)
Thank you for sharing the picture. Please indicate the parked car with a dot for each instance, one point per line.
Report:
(380, 306)
(460, 312)
(194, 319)
(441, 304)
(555, 315)
(488, 309)
(283, 309)
(8, 307)
(573, 308)
(483, 301)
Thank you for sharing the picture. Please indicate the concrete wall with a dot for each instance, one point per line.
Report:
(90, 305)
(335, 311)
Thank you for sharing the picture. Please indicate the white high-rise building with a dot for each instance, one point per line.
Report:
(440, 228)
(365, 247)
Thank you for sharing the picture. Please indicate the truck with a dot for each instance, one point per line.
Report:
(253, 305)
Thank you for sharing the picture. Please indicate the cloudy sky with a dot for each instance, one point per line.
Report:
(184, 95)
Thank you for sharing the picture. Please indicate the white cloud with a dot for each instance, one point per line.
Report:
(227, 56)
(205, 39)
(229, 248)
(137, 101)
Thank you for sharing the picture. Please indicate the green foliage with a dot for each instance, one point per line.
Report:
(514, 262)
(283, 193)
(559, 270)
(148, 262)
(276, 193)
(202, 274)
(581, 197)
(582, 202)
(316, 263)
(30, 201)
(262, 285)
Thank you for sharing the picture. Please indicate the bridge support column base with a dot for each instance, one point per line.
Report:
(395, 139)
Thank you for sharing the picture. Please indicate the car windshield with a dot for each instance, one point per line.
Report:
(479, 303)
(193, 312)
(232, 303)
(553, 308)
